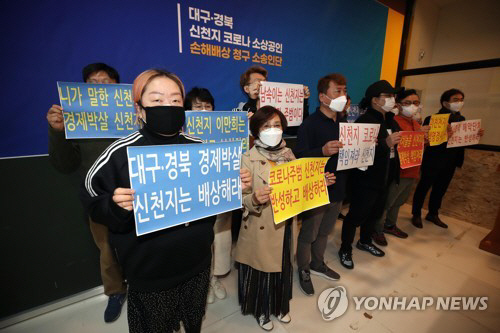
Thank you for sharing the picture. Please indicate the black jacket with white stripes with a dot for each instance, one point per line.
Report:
(156, 261)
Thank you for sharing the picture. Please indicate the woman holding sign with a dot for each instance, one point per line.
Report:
(264, 250)
(168, 271)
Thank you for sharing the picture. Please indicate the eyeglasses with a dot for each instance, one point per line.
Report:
(408, 103)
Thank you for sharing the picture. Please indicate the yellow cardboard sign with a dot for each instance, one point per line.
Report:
(298, 186)
(438, 132)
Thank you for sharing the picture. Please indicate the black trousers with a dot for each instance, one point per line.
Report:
(439, 180)
(367, 206)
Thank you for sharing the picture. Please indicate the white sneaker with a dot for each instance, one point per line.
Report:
(265, 323)
(285, 318)
(211, 295)
(218, 288)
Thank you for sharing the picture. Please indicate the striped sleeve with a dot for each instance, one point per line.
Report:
(109, 172)
(104, 158)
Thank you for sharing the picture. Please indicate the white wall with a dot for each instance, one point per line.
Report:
(460, 31)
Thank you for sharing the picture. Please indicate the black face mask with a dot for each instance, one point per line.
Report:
(164, 119)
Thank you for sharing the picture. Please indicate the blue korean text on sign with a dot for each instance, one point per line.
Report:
(218, 126)
(176, 184)
(97, 110)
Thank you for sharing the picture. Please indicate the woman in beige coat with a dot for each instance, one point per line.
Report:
(264, 250)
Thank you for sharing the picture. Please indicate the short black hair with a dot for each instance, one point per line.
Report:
(445, 97)
(405, 93)
(97, 67)
(201, 94)
(264, 114)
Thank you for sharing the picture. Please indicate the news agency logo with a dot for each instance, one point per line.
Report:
(333, 302)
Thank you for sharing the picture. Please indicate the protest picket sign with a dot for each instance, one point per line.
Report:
(97, 110)
(438, 133)
(298, 186)
(218, 126)
(465, 133)
(176, 184)
(359, 145)
(411, 149)
(286, 97)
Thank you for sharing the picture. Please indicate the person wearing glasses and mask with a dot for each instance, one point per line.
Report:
(439, 164)
(408, 103)
(168, 271)
(318, 136)
(369, 184)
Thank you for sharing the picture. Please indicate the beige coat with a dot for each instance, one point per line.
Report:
(260, 241)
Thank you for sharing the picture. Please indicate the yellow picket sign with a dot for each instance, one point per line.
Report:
(298, 186)
(438, 132)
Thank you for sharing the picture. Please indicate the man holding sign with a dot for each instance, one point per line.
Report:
(78, 155)
(439, 162)
(369, 184)
(251, 83)
(319, 137)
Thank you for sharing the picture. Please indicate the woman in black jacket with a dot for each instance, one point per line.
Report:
(167, 271)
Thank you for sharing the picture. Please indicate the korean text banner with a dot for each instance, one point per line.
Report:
(411, 149)
(298, 186)
(438, 132)
(97, 110)
(206, 43)
(218, 126)
(286, 97)
(465, 133)
(176, 184)
(359, 145)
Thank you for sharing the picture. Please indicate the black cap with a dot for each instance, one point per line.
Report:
(380, 87)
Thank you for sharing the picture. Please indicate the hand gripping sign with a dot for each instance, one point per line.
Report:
(465, 133)
(176, 184)
(359, 145)
(438, 132)
(97, 110)
(286, 97)
(298, 186)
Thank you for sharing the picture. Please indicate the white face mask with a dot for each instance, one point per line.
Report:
(410, 110)
(456, 106)
(337, 104)
(389, 104)
(271, 136)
